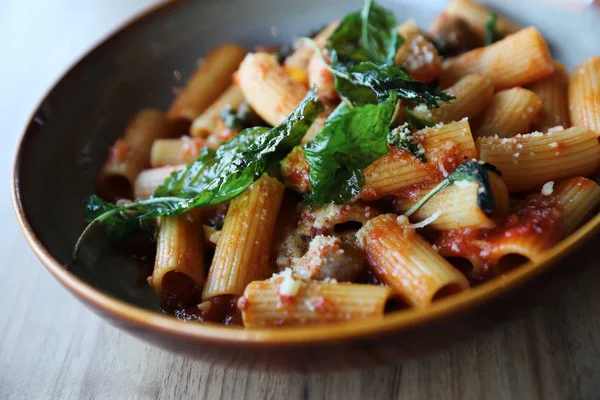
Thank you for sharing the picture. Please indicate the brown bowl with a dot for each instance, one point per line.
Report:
(64, 145)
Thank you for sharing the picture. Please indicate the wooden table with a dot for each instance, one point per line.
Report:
(52, 347)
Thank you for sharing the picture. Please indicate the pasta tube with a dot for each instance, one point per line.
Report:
(553, 91)
(284, 301)
(456, 206)
(584, 94)
(211, 79)
(473, 94)
(516, 60)
(149, 179)
(131, 154)
(179, 248)
(268, 88)
(210, 119)
(242, 254)
(406, 262)
(529, 161)
(510, 112)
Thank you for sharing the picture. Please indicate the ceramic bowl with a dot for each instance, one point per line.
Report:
(64, 145)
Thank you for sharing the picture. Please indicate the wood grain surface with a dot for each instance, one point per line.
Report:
(52, 347)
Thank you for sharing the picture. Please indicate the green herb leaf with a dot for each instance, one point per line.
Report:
(121, 226)
(492, 34)
(369, 83)
(216, 176)
(367, 35)
(362, 51)
(471, 171)
(351, 139)
(401, 137)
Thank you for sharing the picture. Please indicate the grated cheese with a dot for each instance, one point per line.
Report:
(442, 169)
(556, 128)
(289, 287)
(548, 188)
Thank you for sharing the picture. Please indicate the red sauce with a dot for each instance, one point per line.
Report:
(537, 217)
(295, 170)
(560, 147)
(286, 300)
(191, 148)
(227, 134)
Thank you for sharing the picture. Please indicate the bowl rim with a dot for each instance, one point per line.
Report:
(280, 337)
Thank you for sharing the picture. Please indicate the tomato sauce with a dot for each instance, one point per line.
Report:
(537, 217)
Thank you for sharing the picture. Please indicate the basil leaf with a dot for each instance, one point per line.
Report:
(367, 35)
(209, 167)
(401, 137)
(121, 225)
(351, 139)
(369, 83)
(215, 177)
(362, 51)
(492, 34)
(471, 171)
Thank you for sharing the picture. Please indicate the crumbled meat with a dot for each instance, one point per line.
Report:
(452, 35)
(329, 257)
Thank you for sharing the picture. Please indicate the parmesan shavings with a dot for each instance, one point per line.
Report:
(557, 128)
(548, 188)
(289, 286)
(442, 168)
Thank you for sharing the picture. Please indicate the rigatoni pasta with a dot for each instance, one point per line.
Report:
(557, 154)
(271, 92)
(297, 63)
(175, 151)
(419, 57)
(577, 197)
(456, 206)
(179, 250)
(131, 154)
(511, 111)
(477, 15)
(285, 301)
(553, 91)
(211, 79)
(516, 60)
(406, 262)
(365, 188)
(240, 256)
(473, 94)
(149, 179)
(209, 120)
(584, 94)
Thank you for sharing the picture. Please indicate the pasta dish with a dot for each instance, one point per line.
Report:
(370, 168)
